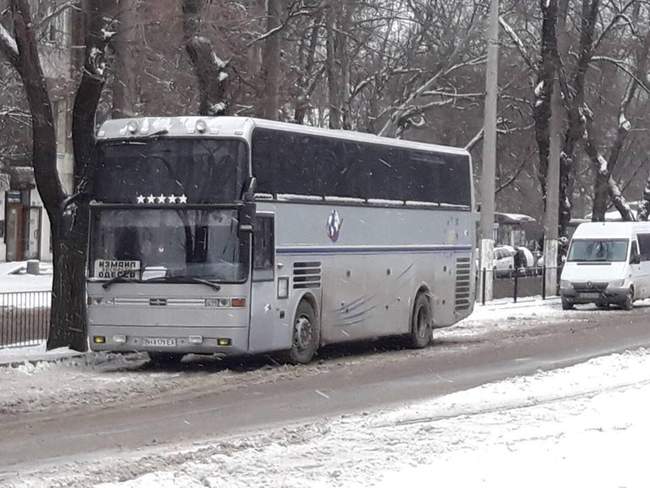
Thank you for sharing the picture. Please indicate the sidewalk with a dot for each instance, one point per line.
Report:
(14, 356)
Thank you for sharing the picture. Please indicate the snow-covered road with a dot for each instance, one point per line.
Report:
(504, 430)
(103, 379)
(580, 426)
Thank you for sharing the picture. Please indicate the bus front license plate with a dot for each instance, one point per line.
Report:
(158, 342)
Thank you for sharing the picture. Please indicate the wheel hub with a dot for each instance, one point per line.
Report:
(303, 333)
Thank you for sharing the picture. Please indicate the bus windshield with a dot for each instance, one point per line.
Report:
(204, 170)
(176, 243)
(594, 250)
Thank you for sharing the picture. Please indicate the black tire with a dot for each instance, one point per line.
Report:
(628, 303)
(566, 304)
(165, 358)
(421, 323)
(306, 335)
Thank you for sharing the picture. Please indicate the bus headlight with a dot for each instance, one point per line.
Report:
(565, 284)
(283, 287)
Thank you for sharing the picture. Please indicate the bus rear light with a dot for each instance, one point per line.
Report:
(283, 287)
(224, 342)
(238, 302)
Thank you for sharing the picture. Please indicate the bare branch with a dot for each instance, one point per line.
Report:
(516, 40)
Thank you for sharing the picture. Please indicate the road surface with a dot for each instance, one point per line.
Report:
(344, 380)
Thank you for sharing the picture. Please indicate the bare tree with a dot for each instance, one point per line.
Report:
(68, 243)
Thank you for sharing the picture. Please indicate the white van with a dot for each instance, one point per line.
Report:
(607, 263)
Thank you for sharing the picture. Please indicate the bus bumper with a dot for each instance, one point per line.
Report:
(231, 341)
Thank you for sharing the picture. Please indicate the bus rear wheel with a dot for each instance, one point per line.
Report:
(421, 323)
(306, 335)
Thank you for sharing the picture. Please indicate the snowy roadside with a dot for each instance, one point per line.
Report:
(31, 384)
(580, 426)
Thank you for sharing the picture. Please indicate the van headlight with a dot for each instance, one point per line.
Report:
(616, 284)
(564, 284)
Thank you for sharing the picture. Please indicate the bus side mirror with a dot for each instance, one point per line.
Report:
(635, 259)
(247, 218)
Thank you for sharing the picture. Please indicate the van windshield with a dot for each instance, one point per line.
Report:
(597, 250)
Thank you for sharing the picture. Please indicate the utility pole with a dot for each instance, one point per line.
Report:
(551, 217)
(489, 151)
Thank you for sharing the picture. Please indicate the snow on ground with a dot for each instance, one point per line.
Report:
(13, 278)
(18, 353)
(102, 379)
(586, 425)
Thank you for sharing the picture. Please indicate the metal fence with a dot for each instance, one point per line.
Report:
(516, 284)
(24, 318)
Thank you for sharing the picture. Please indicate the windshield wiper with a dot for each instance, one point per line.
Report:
(162, 279)
(119, 279)
(182, 279)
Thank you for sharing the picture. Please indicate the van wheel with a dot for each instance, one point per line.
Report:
(306, 335)
(421, 323)
(628, 304)
(566, 304)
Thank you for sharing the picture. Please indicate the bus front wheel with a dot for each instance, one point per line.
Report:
(421, 323)
(306, 335)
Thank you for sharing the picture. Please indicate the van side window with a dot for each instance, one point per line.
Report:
(263, 248)
(644, 245)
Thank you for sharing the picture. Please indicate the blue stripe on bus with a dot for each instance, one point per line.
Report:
(370, 249)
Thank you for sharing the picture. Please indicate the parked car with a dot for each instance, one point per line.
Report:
(504, 261)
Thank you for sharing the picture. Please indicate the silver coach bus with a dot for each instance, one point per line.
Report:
(241, 236)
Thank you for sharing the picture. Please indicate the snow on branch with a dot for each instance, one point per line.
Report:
(602, 166)
(644, 213)
(8, 45)
(625, 67)
(406, 108)
(516, 40)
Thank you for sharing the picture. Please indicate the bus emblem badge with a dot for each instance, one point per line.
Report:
(334, 226)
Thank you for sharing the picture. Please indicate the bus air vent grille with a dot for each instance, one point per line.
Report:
(463, 284)
(306, 275)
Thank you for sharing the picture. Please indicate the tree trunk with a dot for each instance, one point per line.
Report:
(124, 81)
(601, 192)
(68, 315)
(210, 70)
(334, 77)
(270, 74)
(576, 97)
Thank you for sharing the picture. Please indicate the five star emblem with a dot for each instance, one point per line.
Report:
(151, 199)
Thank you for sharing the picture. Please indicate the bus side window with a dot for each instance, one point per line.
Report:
(263, 249)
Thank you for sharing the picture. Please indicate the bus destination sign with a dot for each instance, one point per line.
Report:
(113, 268)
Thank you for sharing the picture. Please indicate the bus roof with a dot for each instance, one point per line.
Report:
(243, 127)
